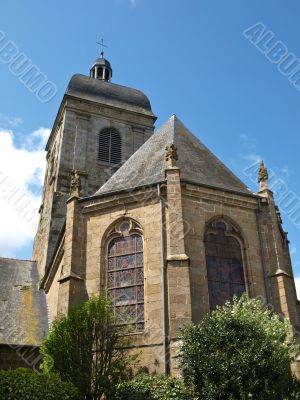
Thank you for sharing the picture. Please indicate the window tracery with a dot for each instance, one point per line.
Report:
(224, 263)
(125, 275)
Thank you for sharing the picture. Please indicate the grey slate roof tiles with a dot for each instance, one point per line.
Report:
(23, 309)
(108, 93)
(197, 164)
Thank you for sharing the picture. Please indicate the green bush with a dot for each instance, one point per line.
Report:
(86, 348)
(153, 387)
(238, 352)
(23, 384)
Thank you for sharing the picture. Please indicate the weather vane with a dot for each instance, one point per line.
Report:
(101, 43)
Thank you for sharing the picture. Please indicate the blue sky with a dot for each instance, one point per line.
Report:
(190, 58)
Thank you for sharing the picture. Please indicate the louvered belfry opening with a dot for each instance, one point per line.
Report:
(110, 146)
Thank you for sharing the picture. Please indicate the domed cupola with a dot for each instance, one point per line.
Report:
(101, 68)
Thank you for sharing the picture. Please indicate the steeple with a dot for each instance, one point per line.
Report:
(101, 68)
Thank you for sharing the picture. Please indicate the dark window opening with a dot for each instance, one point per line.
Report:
(100, 72)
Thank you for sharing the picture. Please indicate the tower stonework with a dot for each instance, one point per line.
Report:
(91, 105)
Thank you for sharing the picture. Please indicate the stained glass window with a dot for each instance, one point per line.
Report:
(224, 262)
(125, 278)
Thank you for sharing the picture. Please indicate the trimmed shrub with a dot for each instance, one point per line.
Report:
(240, 351)
(23, 384)
(153, 387)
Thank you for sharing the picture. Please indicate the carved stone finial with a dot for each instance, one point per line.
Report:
(263, 176)
(171, 155)
(75, 183)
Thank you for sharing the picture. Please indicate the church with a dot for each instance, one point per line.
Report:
(153, 218)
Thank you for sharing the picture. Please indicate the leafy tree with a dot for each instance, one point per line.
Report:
(238, 352)
(85, 348)
(154, 387)
(21, 384)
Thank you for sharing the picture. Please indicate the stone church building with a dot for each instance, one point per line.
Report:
(155, 219)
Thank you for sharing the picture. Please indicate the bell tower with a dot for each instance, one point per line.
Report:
(99, 125)
(101, 68)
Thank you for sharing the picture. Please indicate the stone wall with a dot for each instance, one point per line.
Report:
(186, 211)
(200, 206)
(74, 144)
(53, 293)
(85, 257)
(147, 215)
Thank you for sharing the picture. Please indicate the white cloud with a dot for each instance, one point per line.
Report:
(253, 158)
(42, 135)
(250, 155)
(248, 142)
(133, 3)
(10, 121)
(36, 142)
(21, 170)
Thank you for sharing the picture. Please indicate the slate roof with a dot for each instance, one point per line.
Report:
(23, 309)
(197, 164)
(102, 61)
(103, 92)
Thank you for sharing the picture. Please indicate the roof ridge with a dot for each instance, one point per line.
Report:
(174, 120)
(16, 259)
(220, 162)
(109, 83)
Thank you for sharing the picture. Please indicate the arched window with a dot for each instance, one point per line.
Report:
(125, 275)
(110, 146)
(224, 262)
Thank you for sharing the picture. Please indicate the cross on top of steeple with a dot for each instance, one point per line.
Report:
(101, 43)
(101, 68)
